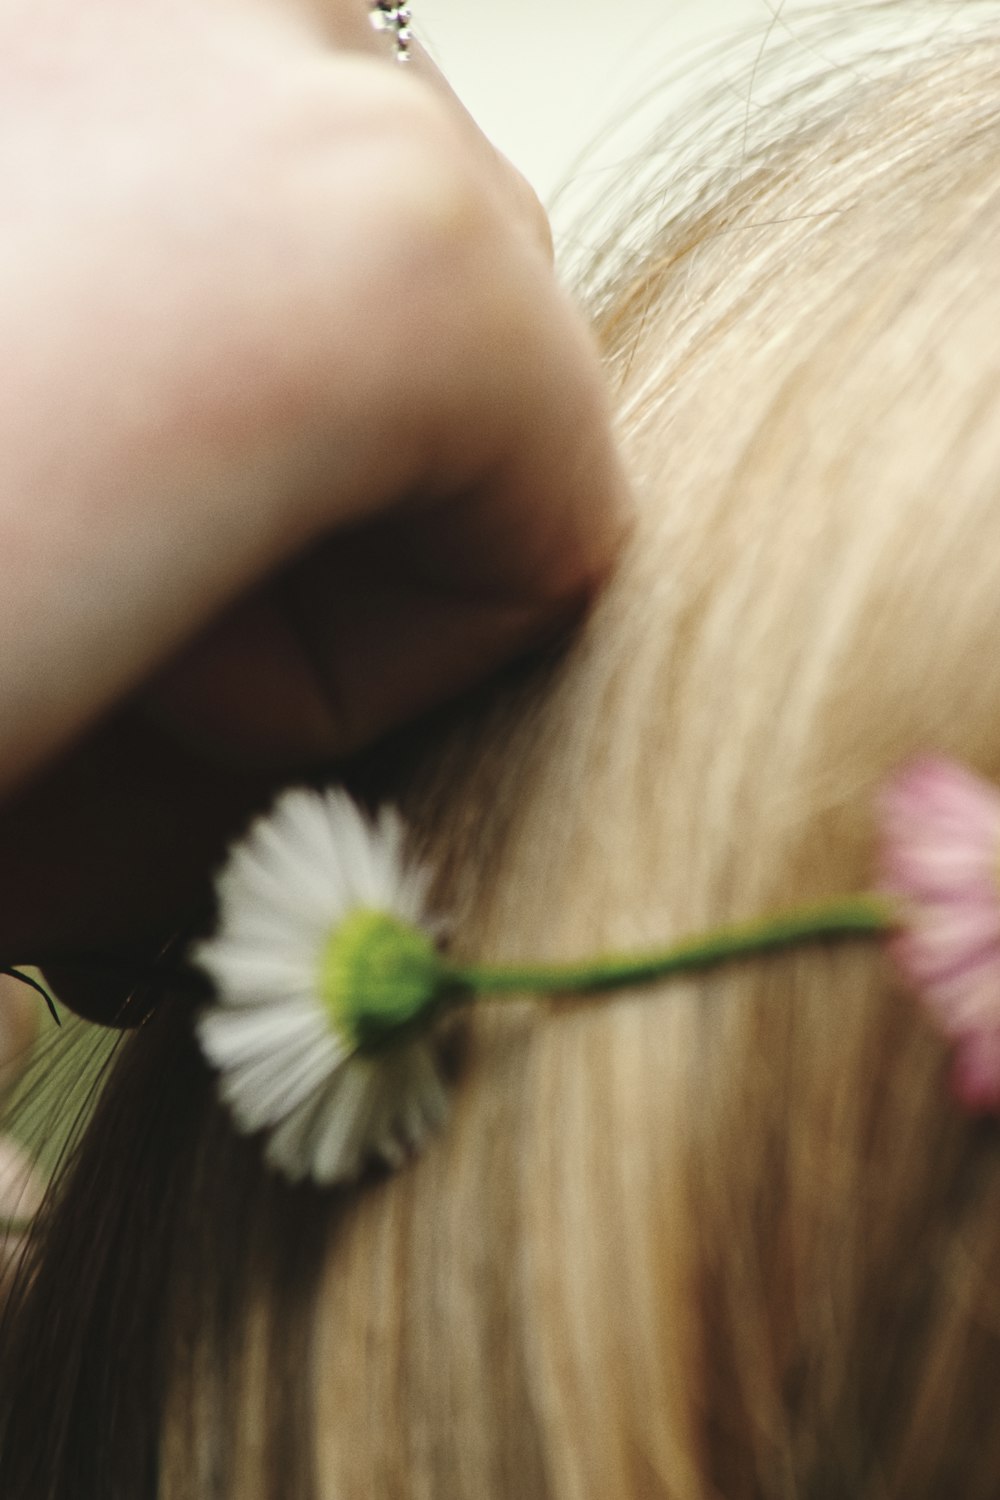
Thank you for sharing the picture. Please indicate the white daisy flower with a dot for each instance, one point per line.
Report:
(324, 964)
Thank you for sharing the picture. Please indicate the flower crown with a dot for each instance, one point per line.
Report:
(329, 973)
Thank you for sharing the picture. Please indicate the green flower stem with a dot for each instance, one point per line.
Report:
(856, 916)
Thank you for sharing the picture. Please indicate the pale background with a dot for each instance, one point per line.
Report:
(546, 77)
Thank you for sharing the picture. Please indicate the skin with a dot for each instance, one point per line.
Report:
(300, 437)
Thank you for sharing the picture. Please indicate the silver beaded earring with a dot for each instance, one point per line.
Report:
(386, 15)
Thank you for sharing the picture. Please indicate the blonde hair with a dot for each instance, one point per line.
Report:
(728, 1239)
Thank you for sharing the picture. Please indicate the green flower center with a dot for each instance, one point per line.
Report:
(377, 976)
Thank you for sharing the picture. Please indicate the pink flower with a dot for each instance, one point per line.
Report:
(940, 860)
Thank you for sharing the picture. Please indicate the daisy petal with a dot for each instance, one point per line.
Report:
(262, 1091)
(237, 1035)
(342, 1142)
(291, 1145)
(288, 1060)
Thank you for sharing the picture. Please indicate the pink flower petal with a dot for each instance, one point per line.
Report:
(955, 936)
(975, 1074)
(936, 868)
(966, 1000)
(941, 827)
(940, 861)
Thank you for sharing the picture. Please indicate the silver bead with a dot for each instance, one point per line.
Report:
(387, 15)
